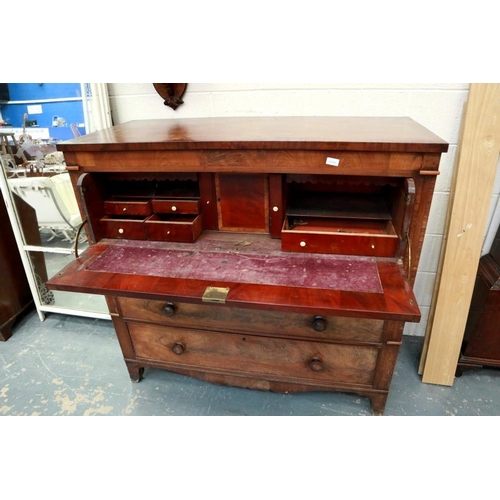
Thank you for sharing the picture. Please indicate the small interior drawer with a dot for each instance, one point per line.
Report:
(181, 228)
(176, 206)
(126, 207)
(375, 238)
(130, 227)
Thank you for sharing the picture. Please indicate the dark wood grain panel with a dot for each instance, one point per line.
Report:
(15, 293)
(208, 200)
(424, 189)
(254, 161)
(301, 133)
(481, 345)
(386, 362)
(235, 319)
(254, 355)
(243, 202)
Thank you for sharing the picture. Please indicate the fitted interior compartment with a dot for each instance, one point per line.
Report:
(150, 185)
(338, 225)
(178, 186)
(339, 236)
(347, 215)
(310, 213)
(117, 205)
(346, 206)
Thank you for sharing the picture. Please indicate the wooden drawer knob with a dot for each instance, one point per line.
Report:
(319, 324)
(169, 309)
(178, 348)
(316, 364)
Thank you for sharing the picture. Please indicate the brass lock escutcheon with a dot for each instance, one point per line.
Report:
(215, 294)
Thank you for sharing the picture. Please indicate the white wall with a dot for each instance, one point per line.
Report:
(437, 106)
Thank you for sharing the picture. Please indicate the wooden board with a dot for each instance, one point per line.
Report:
(474, 177)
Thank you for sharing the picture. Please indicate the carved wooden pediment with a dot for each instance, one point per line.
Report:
(171, 93)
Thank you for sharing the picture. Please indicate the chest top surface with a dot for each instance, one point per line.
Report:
(398, 134)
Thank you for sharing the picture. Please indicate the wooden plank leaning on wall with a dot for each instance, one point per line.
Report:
(473, 179)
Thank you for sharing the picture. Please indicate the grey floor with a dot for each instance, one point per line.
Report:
(70, 365)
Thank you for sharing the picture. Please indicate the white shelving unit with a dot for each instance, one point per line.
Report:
(97, 115)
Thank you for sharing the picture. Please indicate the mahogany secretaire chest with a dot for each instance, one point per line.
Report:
(267, 253)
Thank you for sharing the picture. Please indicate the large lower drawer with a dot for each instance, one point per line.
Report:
(233, 319)
(250, 355)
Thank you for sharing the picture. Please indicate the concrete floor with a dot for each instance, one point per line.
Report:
(69, 365)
